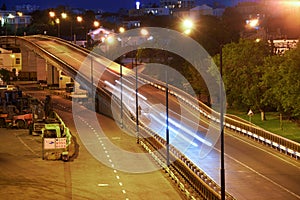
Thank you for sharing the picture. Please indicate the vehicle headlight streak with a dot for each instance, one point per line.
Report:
(171, 121)
(186, 130)
(131, 90)
(172, 130)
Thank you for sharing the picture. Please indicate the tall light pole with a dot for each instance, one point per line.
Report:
(92, 80)
(79, 19)
(64, 15)
(187, 26)
(167, 120)
(136, 102)
(57, 21)
(121, 94)
(222, 170)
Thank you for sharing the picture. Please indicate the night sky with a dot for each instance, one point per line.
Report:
(106, 5)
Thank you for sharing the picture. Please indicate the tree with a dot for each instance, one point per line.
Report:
(270, 80)
(233, 22)
(3, 7)
(242, 73)
(281, 82)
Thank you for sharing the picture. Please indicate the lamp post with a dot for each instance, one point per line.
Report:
(187, 26)
(96, 24)
(222, 169)
(136, 102)
(64, 15)
(144, 32)
(121, 29)
(92, 80)
(167, 121)
(57, 21)
(121, 95)
(79, 19)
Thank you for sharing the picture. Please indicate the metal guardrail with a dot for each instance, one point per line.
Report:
(275, 141)
(156, 146)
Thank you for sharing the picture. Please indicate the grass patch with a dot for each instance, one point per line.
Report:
(288, 129)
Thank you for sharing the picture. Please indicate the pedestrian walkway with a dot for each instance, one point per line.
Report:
(24, 175)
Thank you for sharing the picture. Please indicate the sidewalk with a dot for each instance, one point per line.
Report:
(24, 175)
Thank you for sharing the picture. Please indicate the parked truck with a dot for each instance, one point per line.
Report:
(14, 108)
(56, 141)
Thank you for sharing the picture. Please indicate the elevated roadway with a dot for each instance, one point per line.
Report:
(253, 171)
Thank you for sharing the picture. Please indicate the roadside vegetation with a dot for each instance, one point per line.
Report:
(285, 127)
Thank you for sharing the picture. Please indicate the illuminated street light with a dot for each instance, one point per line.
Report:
(187, 26)
(253, 23)
(52, 14)
(79, 19)
(187, 31)
(110, 39)
(57, 21)
(144, 32)
(64, 15)
(121, 29)
(294, 3)
(96, 24)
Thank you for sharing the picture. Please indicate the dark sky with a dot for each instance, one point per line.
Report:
(106, 5)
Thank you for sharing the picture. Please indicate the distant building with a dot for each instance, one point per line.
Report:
(9, 60)
(218, 12)
(129, 24)
(172, 4)
(14, 19)
(204, 9)
(26, 8)
(149, 11)
(198, 11)
(100, 34)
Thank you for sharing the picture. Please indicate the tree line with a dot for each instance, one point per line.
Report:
(256, 78)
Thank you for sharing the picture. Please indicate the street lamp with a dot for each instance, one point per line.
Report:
(96, 24)
(64, 15)
(187, 26)
(52, 14)
(79, 19)
(121, 29)
(121, 94)
(144, 32)
(57, 21)
(222, 170)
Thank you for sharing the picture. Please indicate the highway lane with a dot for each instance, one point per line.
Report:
(252, 173)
